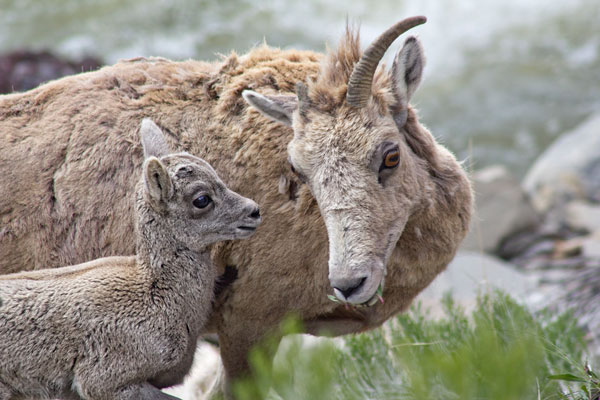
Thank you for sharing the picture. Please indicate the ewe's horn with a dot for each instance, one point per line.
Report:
(359, 85)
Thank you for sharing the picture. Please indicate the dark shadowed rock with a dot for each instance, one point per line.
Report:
(501, 209)
(22, 70)
(568, 169)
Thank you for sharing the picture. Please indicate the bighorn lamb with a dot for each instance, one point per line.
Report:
(122, 327)
(372, 196)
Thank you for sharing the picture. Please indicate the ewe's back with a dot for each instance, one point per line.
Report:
(69, 150)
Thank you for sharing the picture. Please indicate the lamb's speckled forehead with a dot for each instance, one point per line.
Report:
(183, 165)
(175, 159)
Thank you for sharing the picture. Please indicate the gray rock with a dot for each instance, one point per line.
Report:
(582, 216)
(501, 209)
(582, 297)
(591, 246)
(568, 169)
(471, 274)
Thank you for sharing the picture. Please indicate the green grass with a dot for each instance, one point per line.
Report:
(498, 351)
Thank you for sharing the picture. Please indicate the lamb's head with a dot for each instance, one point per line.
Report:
(186, 191)
(350, 148)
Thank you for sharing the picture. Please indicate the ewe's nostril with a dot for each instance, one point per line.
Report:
(350, 286)
(255, 214)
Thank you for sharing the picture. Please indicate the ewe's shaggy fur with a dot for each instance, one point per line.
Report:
(70, 156)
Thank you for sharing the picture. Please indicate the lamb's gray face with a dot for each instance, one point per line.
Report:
(201, 203)
(190, 195)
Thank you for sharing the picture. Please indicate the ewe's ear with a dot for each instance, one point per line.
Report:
(153, 140)
(406, 76)
(280, 108)
(157, 181)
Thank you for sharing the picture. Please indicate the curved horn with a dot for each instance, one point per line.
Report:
(359, 85)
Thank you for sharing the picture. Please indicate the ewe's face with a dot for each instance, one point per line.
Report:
(356, 166)
(205, 210)
(352, 155)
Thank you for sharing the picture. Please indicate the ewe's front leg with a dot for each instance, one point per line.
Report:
(235, 345)
(5, 392)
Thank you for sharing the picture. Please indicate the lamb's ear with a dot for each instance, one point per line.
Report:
(280, 107)
(157, 181)
(406, 76)
(153, 140)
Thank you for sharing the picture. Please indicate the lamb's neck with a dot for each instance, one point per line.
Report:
(180, 278)
(163, 256)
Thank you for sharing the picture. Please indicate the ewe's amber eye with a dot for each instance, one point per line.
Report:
(391, 159)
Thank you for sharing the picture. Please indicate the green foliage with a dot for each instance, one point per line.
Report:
(297, 373)
(499, 351)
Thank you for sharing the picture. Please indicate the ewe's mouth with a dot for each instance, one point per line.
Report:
(247, 228)
(377, 297)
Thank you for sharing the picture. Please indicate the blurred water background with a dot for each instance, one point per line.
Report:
(503, 79)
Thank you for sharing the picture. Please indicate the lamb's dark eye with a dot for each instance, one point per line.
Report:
(202, 201)
(391, 159)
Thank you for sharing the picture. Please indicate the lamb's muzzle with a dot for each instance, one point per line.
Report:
(252, 221)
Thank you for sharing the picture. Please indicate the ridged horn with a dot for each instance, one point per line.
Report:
(359, 85)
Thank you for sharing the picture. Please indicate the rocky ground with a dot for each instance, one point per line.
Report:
(22, 70)
(540, 239)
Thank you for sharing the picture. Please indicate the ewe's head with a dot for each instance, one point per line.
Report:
(186, 191)
(350, 148)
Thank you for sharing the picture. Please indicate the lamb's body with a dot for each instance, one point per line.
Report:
(62, 210)
(121, 327)
(61, 346)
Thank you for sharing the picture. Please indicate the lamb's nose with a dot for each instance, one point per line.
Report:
(348, 286)
(255, 213)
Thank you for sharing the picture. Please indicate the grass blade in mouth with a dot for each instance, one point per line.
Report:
(333, 298)
(379, 294)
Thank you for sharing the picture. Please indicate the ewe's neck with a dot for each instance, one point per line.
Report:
(441, 219)
(443, 214)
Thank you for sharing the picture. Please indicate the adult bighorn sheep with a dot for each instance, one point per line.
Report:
(123, 327)
(373, 195)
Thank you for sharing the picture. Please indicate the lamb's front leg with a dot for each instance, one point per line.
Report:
(5, 392)
(143, 391)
